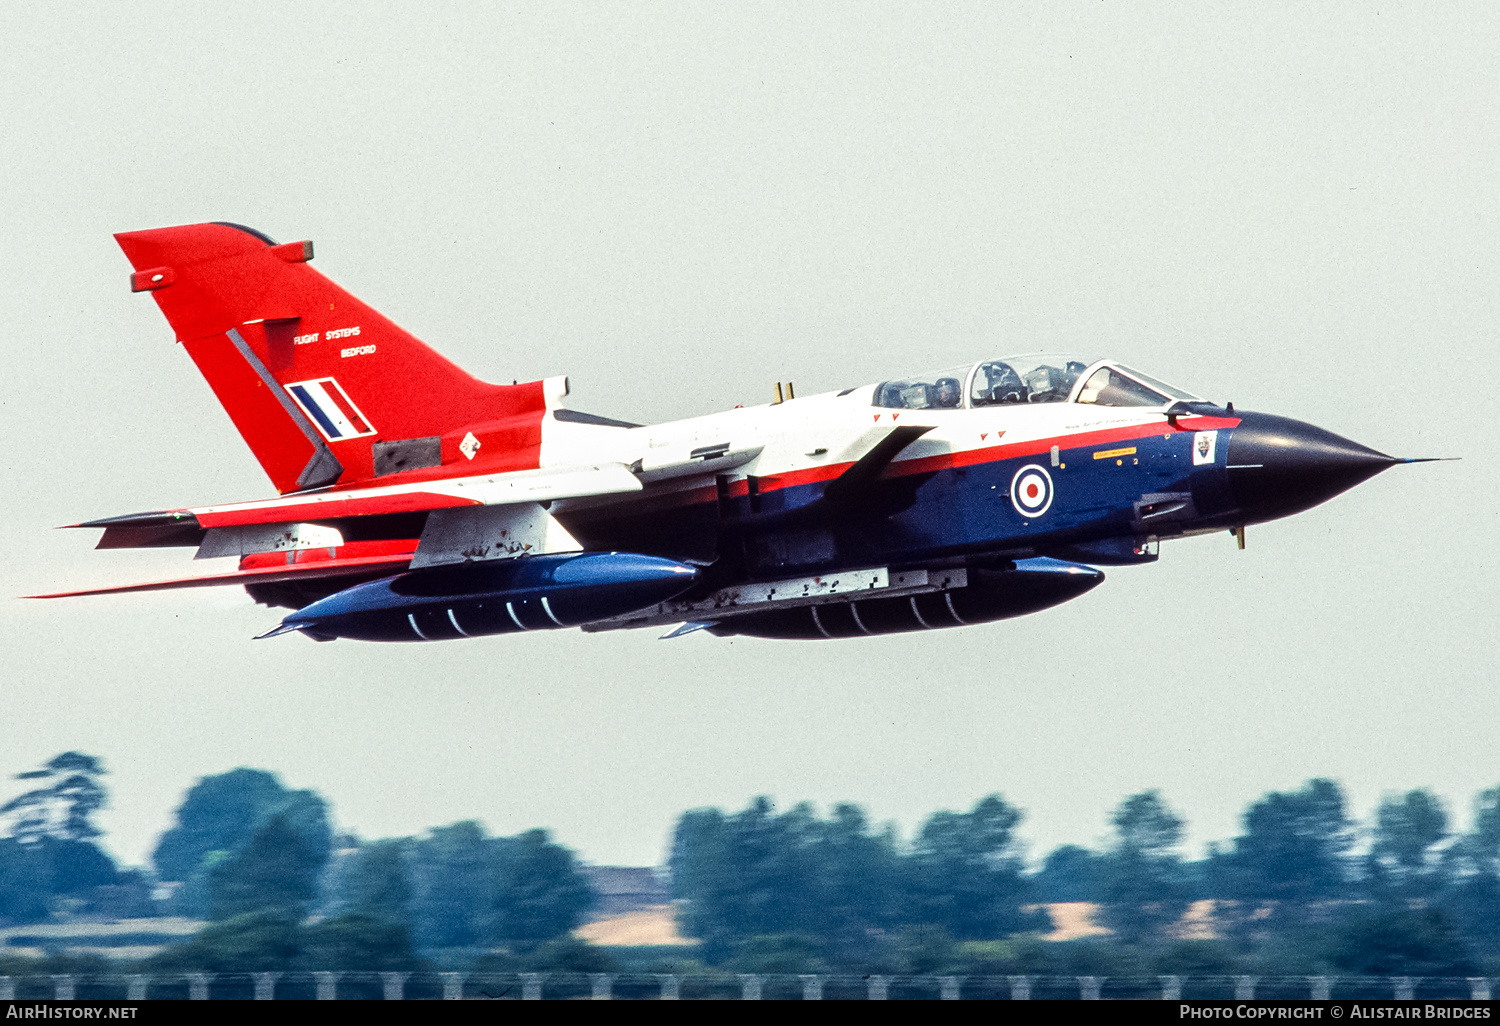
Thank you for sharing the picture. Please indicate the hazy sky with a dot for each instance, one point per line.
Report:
(678, 204)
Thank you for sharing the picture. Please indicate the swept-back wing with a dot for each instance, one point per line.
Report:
(307, 532)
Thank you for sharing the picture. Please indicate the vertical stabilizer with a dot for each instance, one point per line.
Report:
(323, 388)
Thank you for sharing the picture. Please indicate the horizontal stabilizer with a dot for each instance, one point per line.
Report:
(160, 529)
(156, 520)
(259, 575)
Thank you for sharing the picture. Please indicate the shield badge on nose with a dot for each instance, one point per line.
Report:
(1204, 444)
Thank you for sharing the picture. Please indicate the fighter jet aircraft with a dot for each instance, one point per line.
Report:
(418, 503)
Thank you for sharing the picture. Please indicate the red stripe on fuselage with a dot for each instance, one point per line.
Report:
(986, 454)
(1038, 446)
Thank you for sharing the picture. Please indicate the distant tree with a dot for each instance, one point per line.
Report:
(1484, 843)
(457, 887)
(77, 867)
(1146, 828)
(216, 821)
(276, 872)
(744, 875)
(50, 852)
(377, 881)
(219, 813)
(25, 881)
(62, 808)
(837, 881)
(699, 879)
(191, 897)
(1143, 879)
(857, 879)
(1293, 853)
(1071, 873)
(778, 856)
(760, 874)
(964, 873)
(1474, 870)
(538, 891)
(1402, 864)
(452, 881)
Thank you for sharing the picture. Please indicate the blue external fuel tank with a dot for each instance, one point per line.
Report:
(1025, 586)
(495, 597)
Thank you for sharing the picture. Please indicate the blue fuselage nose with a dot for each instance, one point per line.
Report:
(1277, 466)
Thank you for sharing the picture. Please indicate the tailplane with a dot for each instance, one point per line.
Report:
(323, 388)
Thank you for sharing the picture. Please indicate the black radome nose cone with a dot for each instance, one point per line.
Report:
(1279, 466)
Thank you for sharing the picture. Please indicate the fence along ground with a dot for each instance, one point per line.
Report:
(398, 986)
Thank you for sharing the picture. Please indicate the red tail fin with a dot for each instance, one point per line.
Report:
(323, 389)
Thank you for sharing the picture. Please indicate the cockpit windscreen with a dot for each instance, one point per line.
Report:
(1121, 386)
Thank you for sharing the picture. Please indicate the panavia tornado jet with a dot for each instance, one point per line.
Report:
(418, 503)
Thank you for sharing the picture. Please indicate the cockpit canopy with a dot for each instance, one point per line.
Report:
(1037, 378)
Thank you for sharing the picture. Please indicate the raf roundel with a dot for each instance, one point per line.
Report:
(1031, 490)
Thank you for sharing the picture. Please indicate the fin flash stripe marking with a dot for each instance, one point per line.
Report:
(330, 406)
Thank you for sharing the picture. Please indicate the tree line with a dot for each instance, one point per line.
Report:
(763, 889)
(1296, 886)
(261, 864)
